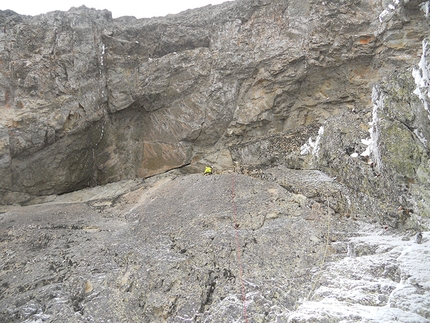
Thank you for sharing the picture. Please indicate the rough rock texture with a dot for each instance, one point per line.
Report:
(87, 99)
(321, 106)
(167, 251)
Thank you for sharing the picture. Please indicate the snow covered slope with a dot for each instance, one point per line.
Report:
(384, 279)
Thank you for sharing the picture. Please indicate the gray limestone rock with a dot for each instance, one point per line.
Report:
(175, 248)
(314, 114)
(89, 99)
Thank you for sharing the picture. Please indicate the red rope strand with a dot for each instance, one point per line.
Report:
(239, 259)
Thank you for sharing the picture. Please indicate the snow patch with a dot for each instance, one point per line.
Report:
(421, 77)
(387, 11)
(366, 142)
(425, 6)
(102, 58)
(372, 142)
(306, 148)
(313, 144)
(420, 137)
(385, 279)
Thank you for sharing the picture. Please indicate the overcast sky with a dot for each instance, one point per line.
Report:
(137, 8)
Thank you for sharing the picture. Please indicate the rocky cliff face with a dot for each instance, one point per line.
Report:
(323, 106)
(172, 250)
(87, 99)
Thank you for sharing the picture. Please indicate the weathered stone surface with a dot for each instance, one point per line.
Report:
(323, 104)
(133, 98)
(166, 250)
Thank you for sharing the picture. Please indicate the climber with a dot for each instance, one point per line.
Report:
(208, 170)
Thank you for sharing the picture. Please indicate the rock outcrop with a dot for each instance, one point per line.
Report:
(322, 106)
(88, 100)
(171, 249)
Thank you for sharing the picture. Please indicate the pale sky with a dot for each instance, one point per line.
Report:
(137, 8)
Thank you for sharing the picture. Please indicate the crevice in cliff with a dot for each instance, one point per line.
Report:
(95, 166)
(413, 131)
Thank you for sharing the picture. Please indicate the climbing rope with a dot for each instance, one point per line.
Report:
(239, 259)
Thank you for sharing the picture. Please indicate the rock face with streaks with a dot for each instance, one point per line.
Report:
(87, 99)
(167, 250)
(321, 106)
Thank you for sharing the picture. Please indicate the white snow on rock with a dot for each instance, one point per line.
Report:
(366, 142)
(313, 144)
(425, 6)
(388, 10)
(421, 77)
(102, 57)
(372, 142)
(387, 13)
(385, 279)
(421, 137)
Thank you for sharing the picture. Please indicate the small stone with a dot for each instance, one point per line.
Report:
(272, 215)
(314, 239)
(419, 237)
(91, 229)
(88, 287)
